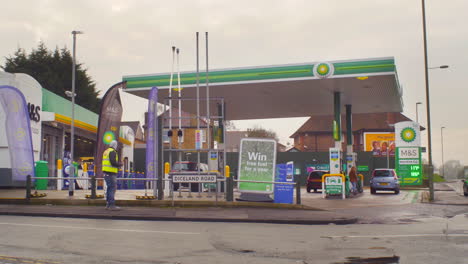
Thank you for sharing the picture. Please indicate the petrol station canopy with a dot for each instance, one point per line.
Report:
(280, 91)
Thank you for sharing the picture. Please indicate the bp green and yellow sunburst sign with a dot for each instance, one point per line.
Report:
(408, 153)
(408, 134)
(323, 70)
(108, 137)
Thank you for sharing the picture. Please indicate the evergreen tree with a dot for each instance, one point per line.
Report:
(53, 70)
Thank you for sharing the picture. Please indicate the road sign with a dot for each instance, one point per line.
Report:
(187, 178)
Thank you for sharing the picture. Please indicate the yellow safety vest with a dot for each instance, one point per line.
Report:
(106, 164)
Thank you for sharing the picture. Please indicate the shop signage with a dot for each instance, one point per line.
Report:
(333, 185)
(34, 112)
(408, 153)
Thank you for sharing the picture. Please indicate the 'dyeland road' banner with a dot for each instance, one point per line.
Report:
(110, 117)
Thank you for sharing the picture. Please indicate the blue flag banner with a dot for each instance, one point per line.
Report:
(18, 132)
(152, 141)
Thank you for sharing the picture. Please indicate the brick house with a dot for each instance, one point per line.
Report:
(315, 135)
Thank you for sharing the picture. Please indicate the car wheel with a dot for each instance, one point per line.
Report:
(315, 190)
(372, 191)
(308, 189)
(397, 191)
(465, 189)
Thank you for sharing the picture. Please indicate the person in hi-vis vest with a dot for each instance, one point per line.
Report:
(110, 168)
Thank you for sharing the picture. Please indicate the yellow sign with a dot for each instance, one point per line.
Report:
(380, 143)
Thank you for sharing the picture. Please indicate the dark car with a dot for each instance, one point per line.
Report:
(314, 180)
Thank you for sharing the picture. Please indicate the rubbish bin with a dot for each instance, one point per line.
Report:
(41, 170)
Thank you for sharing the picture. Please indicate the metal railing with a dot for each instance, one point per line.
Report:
(228, 190)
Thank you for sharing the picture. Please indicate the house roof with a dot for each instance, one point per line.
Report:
(373, 121)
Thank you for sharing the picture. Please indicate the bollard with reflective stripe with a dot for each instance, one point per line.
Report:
(229, 184)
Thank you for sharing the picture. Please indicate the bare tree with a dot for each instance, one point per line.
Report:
(260, 132)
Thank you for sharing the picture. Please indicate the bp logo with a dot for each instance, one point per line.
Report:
(108, 137)
(323, 70)
(408, 134)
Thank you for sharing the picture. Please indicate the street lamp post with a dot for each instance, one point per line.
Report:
(442, 143)
(428, 109)
(71, 182)
(417, 119)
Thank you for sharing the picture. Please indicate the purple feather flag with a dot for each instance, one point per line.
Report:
(152, 140)
(18, 132)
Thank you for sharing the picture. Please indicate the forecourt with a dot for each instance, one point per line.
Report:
(292, 90)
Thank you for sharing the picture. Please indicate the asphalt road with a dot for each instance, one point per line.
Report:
(56, 240)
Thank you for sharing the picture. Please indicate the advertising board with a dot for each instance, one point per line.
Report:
(380, 143)
(257, 162)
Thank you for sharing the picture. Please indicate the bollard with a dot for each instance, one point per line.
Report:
(28, 188)
(298, 192)
(93, 187)
(229, 184)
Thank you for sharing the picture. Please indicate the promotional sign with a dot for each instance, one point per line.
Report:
(290, 171)
(198, 139)
(257, 162)
(408, 165)
(314, 167)
(18, 132)
(284, 193)
(110, 117)
(151, 141)
(380, 144)
(408, 148)
(333, 185)
(335, 160)
(213, 163)
(324, 167)
(363, 168)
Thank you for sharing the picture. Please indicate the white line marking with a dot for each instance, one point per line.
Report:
(397, 236)
(104, 229)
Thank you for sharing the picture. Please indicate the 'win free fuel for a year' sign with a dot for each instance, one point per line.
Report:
(257, 162)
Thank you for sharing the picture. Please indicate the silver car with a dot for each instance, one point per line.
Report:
(384, 180)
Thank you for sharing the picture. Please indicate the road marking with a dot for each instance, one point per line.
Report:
(397, 236)
(104, 229)
(25, 260)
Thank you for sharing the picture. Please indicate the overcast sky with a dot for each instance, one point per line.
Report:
(135, 37)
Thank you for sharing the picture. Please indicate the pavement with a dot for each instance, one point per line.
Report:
(201, 207)
(205, 207)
